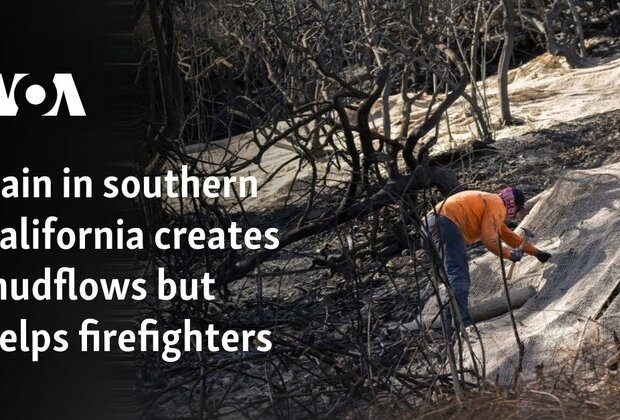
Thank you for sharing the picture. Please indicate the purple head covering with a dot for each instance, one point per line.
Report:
(508, 198)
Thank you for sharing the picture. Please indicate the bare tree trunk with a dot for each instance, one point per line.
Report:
(504, 61)
(578, 28)
(169, 79)
(387, 123)
(473, 56)
(574, 58)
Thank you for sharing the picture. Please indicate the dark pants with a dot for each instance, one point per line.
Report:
(449, 242)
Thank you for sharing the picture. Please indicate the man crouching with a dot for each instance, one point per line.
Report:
(468, 217)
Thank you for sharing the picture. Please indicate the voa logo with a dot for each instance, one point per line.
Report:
(29, 94)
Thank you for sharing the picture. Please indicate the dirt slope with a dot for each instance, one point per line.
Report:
(578, 221)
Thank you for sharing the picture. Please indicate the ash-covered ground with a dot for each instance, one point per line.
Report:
(535, 160)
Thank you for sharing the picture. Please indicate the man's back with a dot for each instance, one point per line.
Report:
(476, 213)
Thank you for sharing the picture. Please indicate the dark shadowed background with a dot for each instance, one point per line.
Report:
(44, 38)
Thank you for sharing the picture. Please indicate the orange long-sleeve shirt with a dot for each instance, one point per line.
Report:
(479, 216)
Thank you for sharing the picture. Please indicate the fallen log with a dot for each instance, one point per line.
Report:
(484, 310)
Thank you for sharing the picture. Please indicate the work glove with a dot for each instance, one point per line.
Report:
(516, 255)
(543, 256)
(512, 224)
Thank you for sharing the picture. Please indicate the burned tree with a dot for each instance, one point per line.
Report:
(504, 61)
(568, 39)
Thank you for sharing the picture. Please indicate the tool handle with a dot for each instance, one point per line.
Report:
(510, 271)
